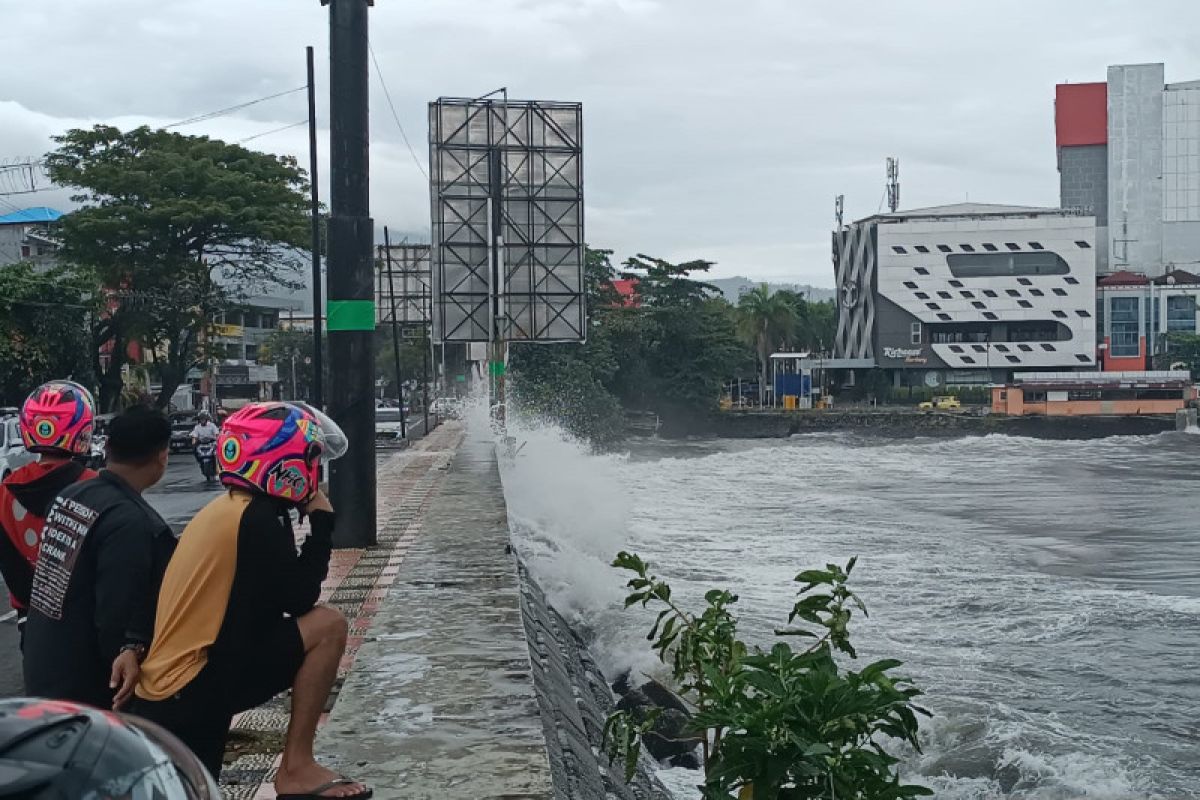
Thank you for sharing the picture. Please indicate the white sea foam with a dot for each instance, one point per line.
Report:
(1031, 587)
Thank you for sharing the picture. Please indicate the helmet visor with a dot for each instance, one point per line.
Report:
(333, 441)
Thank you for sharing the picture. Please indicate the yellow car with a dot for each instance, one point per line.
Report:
(943, 402)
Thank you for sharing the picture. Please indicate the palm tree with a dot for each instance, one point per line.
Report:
(765, 320)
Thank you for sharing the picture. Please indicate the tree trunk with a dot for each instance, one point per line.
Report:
(111, 379)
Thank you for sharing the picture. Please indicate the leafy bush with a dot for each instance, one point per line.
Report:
(783, 724)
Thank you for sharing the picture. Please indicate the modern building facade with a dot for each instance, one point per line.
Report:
(1129, 154)
(967, 293)
(1136, 315)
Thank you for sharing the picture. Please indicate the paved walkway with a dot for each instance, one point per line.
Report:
(441, 700)
(357, 584)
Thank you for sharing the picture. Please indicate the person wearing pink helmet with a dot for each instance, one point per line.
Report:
(56, 423)
(238, 620)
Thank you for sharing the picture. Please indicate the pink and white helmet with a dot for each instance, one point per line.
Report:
(276, 448)
(57, 418)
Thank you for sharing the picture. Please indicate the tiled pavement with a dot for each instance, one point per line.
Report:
(358, 582)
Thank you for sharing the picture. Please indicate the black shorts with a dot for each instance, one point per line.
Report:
(200, 713)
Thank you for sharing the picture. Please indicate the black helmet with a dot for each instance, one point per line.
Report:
(54, 750)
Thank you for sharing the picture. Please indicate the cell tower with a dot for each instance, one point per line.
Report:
(893, 183)
(839, 211)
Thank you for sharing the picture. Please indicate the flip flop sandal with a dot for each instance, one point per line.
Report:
(316, 794)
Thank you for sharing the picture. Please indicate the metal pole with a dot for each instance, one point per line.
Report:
(351, 306)
(318, 398)
(387, 246)
(427, 355)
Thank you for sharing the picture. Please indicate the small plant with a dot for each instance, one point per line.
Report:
(783, 724)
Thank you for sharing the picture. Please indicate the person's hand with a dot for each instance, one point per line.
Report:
(319, 502)
(125, 673)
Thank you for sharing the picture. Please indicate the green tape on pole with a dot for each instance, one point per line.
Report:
(350, 315)
(496, 368)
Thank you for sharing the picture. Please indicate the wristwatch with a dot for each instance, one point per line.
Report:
(137, 648)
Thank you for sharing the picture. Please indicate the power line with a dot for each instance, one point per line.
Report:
(275, 130)
(223, 111)
(396, 116)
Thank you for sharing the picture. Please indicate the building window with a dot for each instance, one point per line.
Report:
(933, 307)
(992, 265)
(252, 352)
(956, 348)
(41, 251)
(1012, 293)
(1049, 348)
(1181, 314)
(978, 304)
(1124, 328)
(920, 270)
(1025, 281)
(1024, 348)
(1081, 357)
(968, 360)
(1083, 245)
(1013, 359)
(944, 295)
(968, 295)
(914, 333)
(270, 320)
(944, 317)
(1024, 304)
(956, 284)
(1070, 280)
(24, 251)
(966, 248)
(1036, 246)
(989, 293)
(921, 248)
(989, 315)
(1012, 245)
(1037, 293)
(945, 248)
(1059, 314)
(978, 348)
(920, 295)
(1060, 291)
(909, 285)
(898, 249)
(991, 248)
(1084, 314)
(1001, 348)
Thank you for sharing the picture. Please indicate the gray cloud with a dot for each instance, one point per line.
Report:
(713, 129)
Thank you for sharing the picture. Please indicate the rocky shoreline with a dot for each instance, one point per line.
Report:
(903, 423)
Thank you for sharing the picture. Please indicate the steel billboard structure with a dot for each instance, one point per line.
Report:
(506, 188)
(406, 269)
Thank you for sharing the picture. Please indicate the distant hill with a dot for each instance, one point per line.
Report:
(733, 288)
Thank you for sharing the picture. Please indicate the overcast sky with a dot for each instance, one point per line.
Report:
(714, 129)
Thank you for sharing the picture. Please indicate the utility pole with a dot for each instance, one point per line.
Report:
(387, 249)
(318, 398)
(351, 307)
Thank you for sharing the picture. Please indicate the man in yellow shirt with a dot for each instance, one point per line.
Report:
(238, 620)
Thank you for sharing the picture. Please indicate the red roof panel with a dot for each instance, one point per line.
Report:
(1081, 114)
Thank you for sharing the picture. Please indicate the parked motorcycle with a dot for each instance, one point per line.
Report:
(206, 457)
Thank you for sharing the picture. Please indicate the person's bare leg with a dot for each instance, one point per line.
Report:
(324, 633)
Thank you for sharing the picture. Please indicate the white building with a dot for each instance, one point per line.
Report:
(27, 235)
(967, 293)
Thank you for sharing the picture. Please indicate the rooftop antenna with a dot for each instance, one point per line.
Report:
(893, 183)
(839, 208)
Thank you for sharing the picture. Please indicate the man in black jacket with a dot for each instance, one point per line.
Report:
(102, 558)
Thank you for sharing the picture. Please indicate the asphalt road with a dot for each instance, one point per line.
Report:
(178, 496)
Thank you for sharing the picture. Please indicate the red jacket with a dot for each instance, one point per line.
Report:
(25, 497)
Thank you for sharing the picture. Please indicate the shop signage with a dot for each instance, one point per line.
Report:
(901, 352)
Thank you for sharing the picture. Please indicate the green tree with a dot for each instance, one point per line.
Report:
(767, 320)
(1181, 348)
(44, 329)
(288, 349)
(175, 228)
(413, 355)
(783, 723)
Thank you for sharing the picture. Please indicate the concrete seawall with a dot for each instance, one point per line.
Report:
(467, 683)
